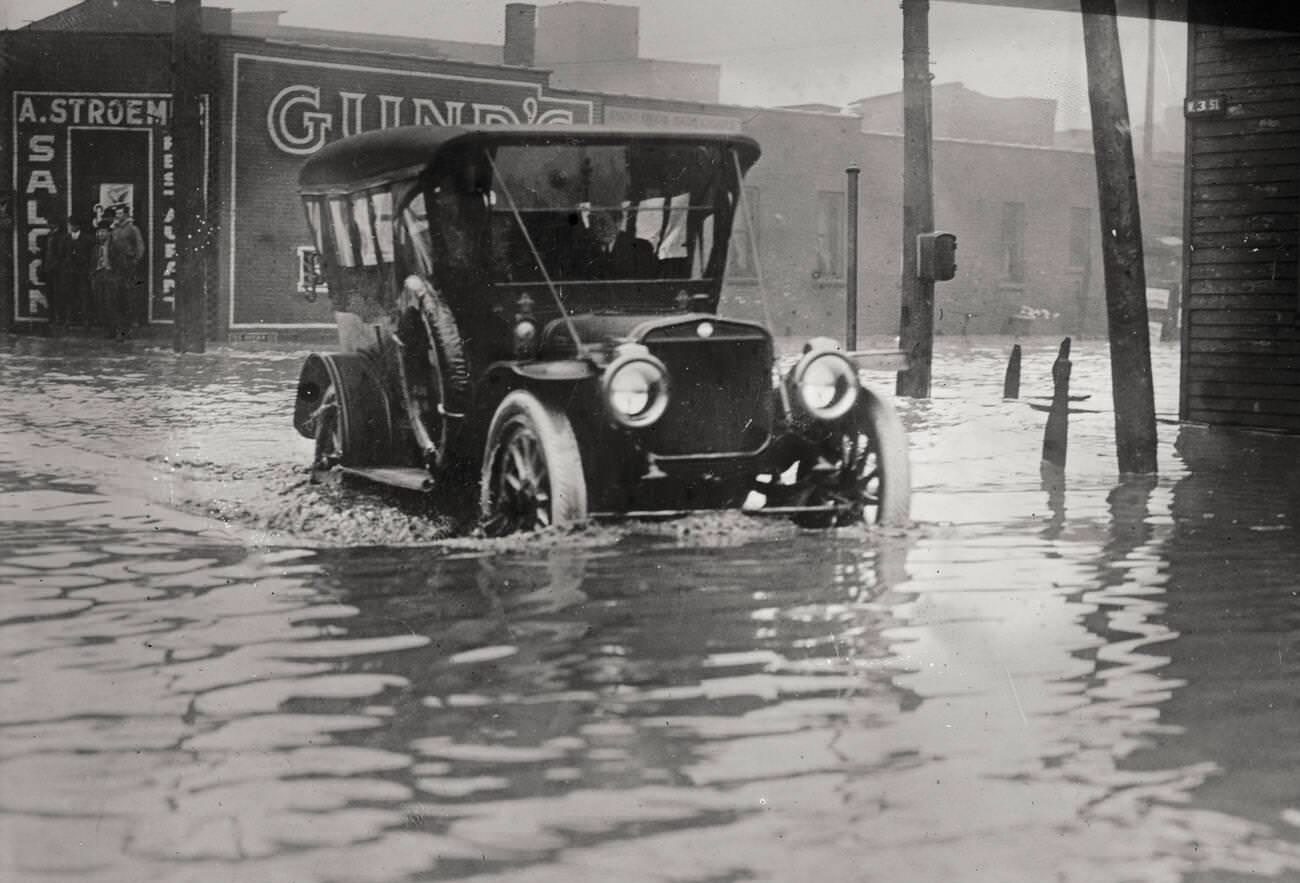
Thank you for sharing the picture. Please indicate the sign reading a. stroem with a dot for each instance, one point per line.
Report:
(284, 109)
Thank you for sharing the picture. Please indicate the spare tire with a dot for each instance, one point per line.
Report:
(447, 351)
(435, 374)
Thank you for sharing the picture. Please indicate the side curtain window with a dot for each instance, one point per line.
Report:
(345, 252)
(365, 226)
(415, 235)
(673, 243)
(381, 208)
(315, 223)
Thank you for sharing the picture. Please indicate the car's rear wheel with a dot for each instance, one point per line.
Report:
(870, 476)
(532, 469)
(342, 408)
(328, 422)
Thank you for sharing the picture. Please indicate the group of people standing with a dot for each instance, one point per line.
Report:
(90, 276)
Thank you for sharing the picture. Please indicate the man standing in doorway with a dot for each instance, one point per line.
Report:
(69, 260)
(103, 281)
(125, 253)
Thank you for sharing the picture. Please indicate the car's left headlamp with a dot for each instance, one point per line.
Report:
(826, 383)
(635, 386)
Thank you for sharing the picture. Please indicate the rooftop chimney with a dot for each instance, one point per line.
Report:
(521, 34)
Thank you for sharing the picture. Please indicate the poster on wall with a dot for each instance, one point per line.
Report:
(111, 196)
(76, 154)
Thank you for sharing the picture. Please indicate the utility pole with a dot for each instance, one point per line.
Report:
(187, 154)
(8, 207)
(1149, 105)
(852, 174)
(1121, 241)
(916, 323)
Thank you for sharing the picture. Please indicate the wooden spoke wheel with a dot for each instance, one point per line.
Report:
(532, 470)
(869, 474)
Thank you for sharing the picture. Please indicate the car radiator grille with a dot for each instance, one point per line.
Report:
(720, 395)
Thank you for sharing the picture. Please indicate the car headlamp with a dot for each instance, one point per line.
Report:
(635, 386)
(826, 383)
(525, 338)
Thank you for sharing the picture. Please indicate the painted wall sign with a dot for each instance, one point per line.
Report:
(73, 150)
(650, 118)
(285, 109)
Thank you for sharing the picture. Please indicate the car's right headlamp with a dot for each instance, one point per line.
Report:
(826, 383)
(635, 387)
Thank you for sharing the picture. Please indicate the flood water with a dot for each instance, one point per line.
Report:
(211, 671)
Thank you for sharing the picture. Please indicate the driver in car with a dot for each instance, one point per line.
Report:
(614, 253)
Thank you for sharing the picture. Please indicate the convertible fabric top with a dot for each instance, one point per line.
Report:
(387, 153)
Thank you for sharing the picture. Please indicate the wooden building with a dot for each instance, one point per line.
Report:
(1241, 339)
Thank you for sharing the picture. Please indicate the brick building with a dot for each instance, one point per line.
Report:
(93, 129)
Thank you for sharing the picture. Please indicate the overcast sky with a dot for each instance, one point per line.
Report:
(791, 51)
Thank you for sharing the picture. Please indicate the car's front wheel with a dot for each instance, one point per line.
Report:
(869, 476)
(532, 469)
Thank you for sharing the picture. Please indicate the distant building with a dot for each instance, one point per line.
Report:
(595, 47)
(967, 115)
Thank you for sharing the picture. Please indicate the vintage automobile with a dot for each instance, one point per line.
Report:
(531, 312)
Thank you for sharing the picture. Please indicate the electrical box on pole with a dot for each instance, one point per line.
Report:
(936, 256)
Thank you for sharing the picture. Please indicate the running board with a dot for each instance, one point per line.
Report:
(408, 478)
(656, 514)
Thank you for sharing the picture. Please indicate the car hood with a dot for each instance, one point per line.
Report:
(606, 331)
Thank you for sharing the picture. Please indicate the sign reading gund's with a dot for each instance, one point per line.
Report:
(283, 109)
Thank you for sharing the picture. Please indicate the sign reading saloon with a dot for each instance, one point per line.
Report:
(76, 154)
(285, 109)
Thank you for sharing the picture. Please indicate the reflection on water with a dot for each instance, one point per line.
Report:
(1052, 677)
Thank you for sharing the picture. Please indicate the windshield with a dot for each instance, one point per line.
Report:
(643, 211)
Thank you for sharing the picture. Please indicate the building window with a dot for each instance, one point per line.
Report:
(1013, 241)
(742, 259)
(1080, 238)
(830, 235)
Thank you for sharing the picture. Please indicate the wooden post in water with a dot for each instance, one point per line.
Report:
(189, 329)
(1011, 383)
(916, 323)
(851, 282)
(1121, 241)
(1056, 436)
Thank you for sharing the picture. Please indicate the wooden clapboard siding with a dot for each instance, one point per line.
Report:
(1238, 376)
(1216, 389)
(1241, 353)
(1271, 271)
(1239, 318)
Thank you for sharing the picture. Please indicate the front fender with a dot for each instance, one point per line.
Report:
(562, 369)
(552, 381)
